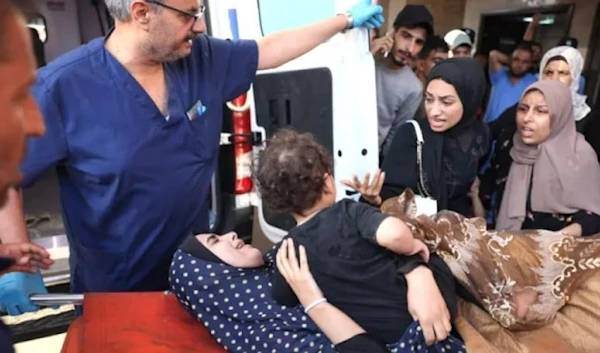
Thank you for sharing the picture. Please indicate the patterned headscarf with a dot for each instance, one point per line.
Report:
(235, 305)
(573, 57)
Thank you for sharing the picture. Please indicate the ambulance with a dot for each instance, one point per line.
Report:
(329, 92)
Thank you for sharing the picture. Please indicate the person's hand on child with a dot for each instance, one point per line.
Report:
(297, 273)
(370, 189)
(427, 306)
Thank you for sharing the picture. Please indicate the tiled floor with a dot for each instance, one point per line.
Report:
(51, 344)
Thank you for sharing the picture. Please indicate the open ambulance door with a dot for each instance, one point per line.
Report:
(329, 92)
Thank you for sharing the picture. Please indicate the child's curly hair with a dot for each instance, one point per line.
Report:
(290, 172)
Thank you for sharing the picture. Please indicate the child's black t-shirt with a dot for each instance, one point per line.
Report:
(355, 274)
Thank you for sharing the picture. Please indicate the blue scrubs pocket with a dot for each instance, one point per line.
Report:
(205, 123)
(102, 271)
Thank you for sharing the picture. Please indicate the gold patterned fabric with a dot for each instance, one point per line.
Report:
(521, 278)
(575, 329)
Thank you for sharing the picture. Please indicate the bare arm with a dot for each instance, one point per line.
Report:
(426, 305)
(280, 48)
(334, 323)
(478, 209)
(12, 225)
(394, 235)
(498, 60)
(532, 27)
(573, 229)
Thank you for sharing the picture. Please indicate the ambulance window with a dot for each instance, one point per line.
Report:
(39, 24)
(277, 15)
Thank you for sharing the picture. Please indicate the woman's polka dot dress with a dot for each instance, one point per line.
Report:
(235, 305)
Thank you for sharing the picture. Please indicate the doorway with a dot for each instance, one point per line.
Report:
(504, 29)
(592, 63)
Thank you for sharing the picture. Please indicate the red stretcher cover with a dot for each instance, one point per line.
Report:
(137, 323)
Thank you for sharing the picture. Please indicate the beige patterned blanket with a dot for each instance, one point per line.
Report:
(523, 279)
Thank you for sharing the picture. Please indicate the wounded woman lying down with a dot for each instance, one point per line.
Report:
(226, 285)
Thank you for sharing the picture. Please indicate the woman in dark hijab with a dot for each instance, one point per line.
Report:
(453, 142)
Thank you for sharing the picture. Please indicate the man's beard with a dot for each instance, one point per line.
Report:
(159, 51)
(401, 63)
(398, 62)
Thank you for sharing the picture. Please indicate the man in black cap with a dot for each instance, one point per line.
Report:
(20, 118)
(569, 41)
(399, 91)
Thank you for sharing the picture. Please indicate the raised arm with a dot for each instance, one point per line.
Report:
(280, 48)
(532, 27)
(398, 170)
(498, 60)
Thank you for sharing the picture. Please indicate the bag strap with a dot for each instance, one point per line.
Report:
(418, 131)
(420, 141)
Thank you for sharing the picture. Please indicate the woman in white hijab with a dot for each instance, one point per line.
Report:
(565, 64)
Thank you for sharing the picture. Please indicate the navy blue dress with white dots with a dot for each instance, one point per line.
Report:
(235, 305)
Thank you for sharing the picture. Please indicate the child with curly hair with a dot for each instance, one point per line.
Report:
(356, 253)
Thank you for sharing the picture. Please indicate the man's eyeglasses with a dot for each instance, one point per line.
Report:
(196, 16)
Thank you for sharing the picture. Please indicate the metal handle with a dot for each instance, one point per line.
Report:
(56, 299)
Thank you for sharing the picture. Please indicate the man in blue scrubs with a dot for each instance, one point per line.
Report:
(134, 123)
(509, 78)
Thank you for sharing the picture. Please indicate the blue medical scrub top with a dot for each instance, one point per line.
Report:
(133, 184)
(504, 93)
(581, 88)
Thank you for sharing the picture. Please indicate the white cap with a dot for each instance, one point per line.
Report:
(455, 38)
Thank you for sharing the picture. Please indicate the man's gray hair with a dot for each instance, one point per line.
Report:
(119, 9)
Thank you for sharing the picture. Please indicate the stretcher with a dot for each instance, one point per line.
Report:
(131, 323)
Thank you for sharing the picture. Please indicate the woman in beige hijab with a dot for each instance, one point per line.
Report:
(554, 178)
(563, 64)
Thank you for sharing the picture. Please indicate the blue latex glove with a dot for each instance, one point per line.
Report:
(365, 14)
(15, 289)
